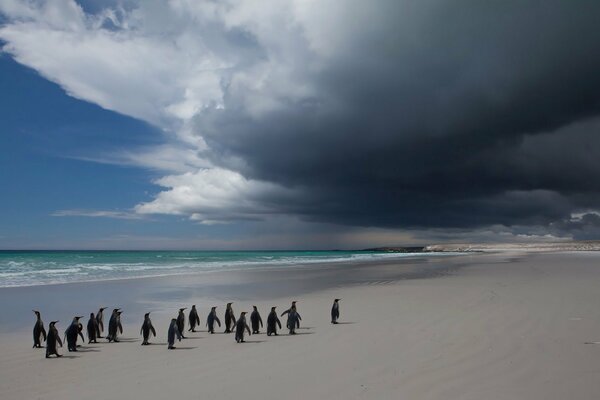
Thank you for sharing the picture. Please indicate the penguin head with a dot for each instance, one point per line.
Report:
(91, 315)
(37, 313)
(229, 304)
(119, 312)
(115, 310)
(193, 306)
(273, 308)
(294, 303)
(213, 308)
(255, 309)
(181, 309)
(243, 313)
(52, 323)
(76, 318)
(102, 309)
(146, 315)
(336, 300)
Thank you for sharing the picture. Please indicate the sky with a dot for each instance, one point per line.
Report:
(297, 124)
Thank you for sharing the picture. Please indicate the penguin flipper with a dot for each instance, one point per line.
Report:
(153, 331)
(58, 340)
(260, 320)
(43, 332)
(120, 328)
(218, 321)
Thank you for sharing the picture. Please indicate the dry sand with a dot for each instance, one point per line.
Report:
(492, 327)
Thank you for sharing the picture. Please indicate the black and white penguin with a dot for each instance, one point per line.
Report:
(293, 322)
(52, 339)
(114, 325)
(146, 329)
(173, 333)
(211, 319)
(297, 318)
(92, 329)
(255, 320)
(71, 334)
(38, 330)
(181, 321)
(240, 326)
(272, 322)
(100, 322)
(194, 319)
(335, 311)
(229, 318)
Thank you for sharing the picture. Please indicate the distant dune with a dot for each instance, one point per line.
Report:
(554, 246)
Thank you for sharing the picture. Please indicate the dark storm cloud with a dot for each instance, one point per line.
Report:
(455, 114)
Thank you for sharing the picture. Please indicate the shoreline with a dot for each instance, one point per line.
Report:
(495, 326)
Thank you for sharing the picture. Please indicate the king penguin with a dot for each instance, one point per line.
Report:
(272, 322)
(335, 311)
(194, 319)
(181, 321)
(297, 317)
(210, 320)
(240, 326)
(92, 329)
(100, 321)
(146, 329)
(71, 334)
(229, 318)
(52, 340)
(38, 330)
(173, 333)
(114, 325)
(255, 319)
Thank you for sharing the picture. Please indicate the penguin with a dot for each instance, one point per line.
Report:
(255, 319)
(173, 332)
(194, 319)
(52, 339)
(92, 329)
(272, 322)
(229, 318)
(240, 326)
(114, 325)
(335, 311)
(181, 321)
(292, 322)
(72, 332)
(38, 330)
(146, 329)
(298, 318)
(210, 320)
(100, 321)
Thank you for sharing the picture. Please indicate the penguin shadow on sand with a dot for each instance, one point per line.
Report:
(183, 348)
(344, 323)
(127, 340)
(88, 349)
(157, 344)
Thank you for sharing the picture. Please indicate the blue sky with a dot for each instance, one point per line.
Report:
(276, 124)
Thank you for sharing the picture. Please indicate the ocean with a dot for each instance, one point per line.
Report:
(31, 268)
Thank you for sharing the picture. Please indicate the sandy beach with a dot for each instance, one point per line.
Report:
(483, 326)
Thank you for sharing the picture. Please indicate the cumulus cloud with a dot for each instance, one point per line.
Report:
(392, 114)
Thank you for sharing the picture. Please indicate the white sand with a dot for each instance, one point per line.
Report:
(503, 327)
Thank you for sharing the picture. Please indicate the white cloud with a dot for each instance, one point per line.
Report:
(214, 195)
(164, 62)
(97, 214)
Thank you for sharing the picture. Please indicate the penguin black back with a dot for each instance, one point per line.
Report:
(38, 330)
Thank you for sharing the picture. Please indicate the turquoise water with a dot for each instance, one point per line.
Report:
(28, 268)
